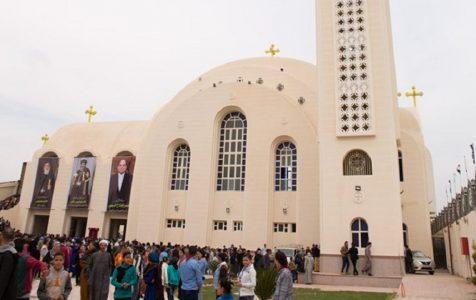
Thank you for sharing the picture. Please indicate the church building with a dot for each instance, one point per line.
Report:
(266, 150)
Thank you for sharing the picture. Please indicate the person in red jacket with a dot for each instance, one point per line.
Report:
(26, 266)
(66, 250)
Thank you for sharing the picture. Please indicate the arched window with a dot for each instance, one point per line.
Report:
(357, 162)
(232, 153)
(405, 234)
(360, 232)
(286, 167)
(85, 154)
(180, 168)
(400, 165)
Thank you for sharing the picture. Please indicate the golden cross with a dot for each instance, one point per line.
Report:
(272, 50)
(414, 94)
(45, 138)
(90, 112)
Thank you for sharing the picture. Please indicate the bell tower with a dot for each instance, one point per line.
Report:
(358, 133)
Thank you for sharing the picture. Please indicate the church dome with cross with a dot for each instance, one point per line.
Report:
(267, 150)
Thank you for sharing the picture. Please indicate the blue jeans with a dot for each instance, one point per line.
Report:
(189, 294)
(345, 264)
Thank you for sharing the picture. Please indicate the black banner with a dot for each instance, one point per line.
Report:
(122, 171)
(45, 182)
(81, 182)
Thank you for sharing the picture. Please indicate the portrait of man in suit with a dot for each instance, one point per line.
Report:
(120, 184)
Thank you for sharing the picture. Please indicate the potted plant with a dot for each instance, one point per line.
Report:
(265, 283)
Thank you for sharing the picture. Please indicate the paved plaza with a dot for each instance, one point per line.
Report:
(441, 286)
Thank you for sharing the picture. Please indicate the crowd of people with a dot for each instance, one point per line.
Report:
(352, 253)
(9, 202)
(138, 270)
(148, 270)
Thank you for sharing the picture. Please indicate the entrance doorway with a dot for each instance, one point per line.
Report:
(40, 225)
(117, 229)
(439, 251)
(77, 228)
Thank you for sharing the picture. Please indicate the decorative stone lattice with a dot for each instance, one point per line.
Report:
(354, 109)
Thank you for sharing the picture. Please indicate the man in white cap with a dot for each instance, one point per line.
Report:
(100, 270)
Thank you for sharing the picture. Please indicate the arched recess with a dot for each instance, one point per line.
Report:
(85, 154)
(49, 154)
(125, 153)
(357, 162)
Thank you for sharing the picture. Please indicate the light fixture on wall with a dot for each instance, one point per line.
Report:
(176, 207)
(358, 194)
(228, 210)
(285, 210)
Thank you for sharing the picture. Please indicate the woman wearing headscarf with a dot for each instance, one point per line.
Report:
(153, 278)
(284, 282)
(221, 271)
(124, 278)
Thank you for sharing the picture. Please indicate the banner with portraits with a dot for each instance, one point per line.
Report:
(45, 182)
(122, 171)
(81, 182)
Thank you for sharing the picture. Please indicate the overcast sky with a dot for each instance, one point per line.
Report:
(128, 58)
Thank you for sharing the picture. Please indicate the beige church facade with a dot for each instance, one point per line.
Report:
(260, 151)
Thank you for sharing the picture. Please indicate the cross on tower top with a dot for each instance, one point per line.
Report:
(45, 138)
(414, 94)
(272, 50)
(90, 112)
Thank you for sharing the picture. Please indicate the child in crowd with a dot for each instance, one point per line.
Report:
(224, 290)
(56, 283)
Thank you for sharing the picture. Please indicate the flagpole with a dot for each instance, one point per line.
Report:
(451, 191)
(473, 158)
(458, 170)
(466, 170)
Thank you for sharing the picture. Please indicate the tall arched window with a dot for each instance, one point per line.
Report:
(232, 153)
(286, 167)
(400, 165)
(180, 168)
(405, 234)
(360, 232)
(357, 162)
